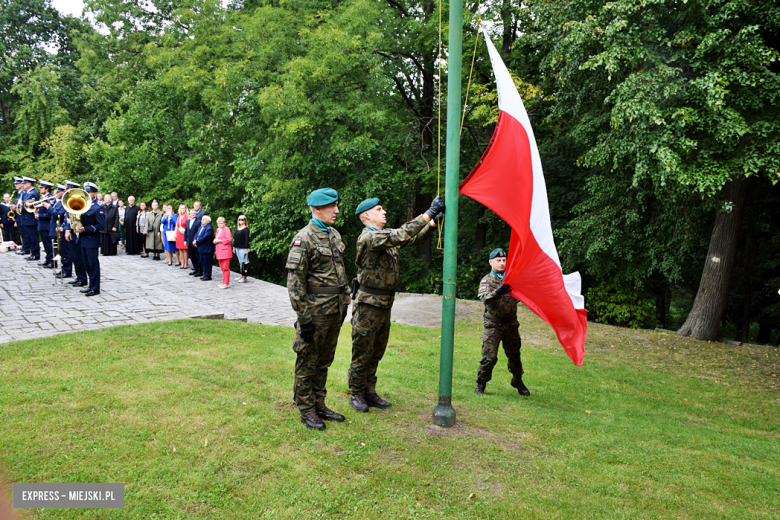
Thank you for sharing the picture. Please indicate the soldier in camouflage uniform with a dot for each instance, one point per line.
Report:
(319, 293)
(374, 292)
(501, 326)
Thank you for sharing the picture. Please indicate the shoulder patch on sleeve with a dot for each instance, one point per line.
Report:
(297, 242)
(483, 281)
(293, 260)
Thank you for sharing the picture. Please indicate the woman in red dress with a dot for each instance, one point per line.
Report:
(181, 227)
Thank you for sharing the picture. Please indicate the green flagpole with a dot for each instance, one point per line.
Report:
(444, 413)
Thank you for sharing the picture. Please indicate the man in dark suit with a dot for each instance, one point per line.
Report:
(196, 206)
(204, 241)
(91, 224)
(193, 226)
(28, 221)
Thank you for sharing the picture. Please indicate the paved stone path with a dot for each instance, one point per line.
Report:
(139, 290)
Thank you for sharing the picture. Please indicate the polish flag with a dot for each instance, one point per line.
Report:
(508, 179)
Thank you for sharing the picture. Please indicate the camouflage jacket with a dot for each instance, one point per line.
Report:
(498, 309)
(377, 258)
(316, 259)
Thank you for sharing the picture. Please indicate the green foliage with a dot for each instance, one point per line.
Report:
(619, 305)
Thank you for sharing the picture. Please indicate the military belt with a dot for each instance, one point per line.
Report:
(326, 290)
(375, 291)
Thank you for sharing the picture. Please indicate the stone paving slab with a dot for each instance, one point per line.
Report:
(139, 290)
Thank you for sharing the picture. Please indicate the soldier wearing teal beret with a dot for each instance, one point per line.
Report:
(377, 279)
(500, 326)
(317, 285)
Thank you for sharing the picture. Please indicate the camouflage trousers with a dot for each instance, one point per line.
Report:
(370, 332)
(314, 359)
(508, 335)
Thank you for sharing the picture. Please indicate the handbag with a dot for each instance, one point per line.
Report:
(150, 228)
(245, 271)
(171, 236)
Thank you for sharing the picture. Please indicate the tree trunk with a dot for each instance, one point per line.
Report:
(424, 250)
(479, 237)
(751, 250)
(710, 303)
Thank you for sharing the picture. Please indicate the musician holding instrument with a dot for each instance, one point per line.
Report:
(19, 185)
(72, 245)
(8, 219)
(58, 216)
(87, 221)
(43, 216)
(27, 219)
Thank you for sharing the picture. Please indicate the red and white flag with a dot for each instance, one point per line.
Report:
(508, 179)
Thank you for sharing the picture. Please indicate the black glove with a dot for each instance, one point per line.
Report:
(307, 332)
(344, 311)
(503, 290)
(439, 217)
(437, 206)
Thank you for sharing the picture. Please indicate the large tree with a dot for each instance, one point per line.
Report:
(674, 92)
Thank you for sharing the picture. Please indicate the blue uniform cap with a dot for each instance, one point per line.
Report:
(91, 187)
(497, 252)
(45, 184)
(322, 197)
(28, 179)
(17, 180)
(60, 187)
(366, 205)
(71, 184)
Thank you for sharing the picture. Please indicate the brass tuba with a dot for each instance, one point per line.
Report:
(76, 203)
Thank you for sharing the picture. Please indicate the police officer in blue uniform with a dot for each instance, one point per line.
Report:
(44, 221)
(91, 224)
(19, 185)
(73, 245)
(28, 220)
(58, 215)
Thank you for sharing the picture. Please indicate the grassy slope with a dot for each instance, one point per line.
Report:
(196, 418)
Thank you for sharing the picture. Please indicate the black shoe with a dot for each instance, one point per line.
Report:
(196, 273)
(205, 278)
(326, 414)
(20, 252)
(480, 389)
(374, 401)
(91, 293)
(76, 283)
(312, 421)
(33, 258)
(83, 291)
(358, 402)
(67, 276)
(517, 382)
(48, 265)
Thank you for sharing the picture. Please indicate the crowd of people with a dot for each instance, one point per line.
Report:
(186, 236)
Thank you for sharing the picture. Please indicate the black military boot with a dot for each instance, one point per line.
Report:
(480, 389)
(312, 421)
(374, 401)
(358, 402)
(517, 382)
(326, 414)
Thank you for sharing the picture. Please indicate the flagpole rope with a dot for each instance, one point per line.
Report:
(471, 70)
(438, 139)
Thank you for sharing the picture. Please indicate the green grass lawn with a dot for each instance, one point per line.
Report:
(196, 418)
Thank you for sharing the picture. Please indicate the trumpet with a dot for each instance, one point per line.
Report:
(76, 203)
(31, 205)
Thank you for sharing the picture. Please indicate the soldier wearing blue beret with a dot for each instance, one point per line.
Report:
(317, 284)
(374, 292)
(89, 227)
(500, 326)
